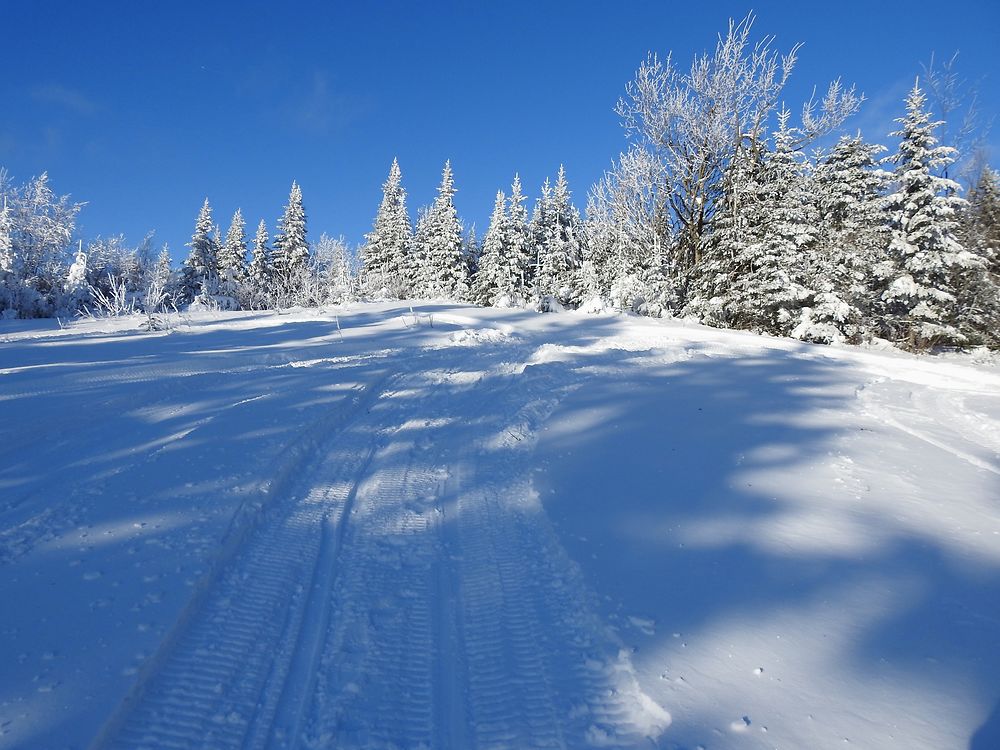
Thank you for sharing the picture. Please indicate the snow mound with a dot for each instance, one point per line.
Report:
(474, 336)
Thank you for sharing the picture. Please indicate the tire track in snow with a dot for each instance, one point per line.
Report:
(544, 671)
(515, 655)
(375, 681)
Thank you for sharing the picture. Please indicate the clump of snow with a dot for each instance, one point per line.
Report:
(467, 337)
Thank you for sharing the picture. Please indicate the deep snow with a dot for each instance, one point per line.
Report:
(457, 527)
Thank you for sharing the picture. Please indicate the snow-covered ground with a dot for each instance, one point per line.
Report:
(469, 528)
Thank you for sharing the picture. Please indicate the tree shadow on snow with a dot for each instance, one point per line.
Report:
(659, 481)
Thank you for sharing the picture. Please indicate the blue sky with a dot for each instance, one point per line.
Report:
(144, 108)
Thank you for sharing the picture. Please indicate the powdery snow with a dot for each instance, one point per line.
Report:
(454, 527)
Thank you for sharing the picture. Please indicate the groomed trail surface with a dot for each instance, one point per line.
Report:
(448, 527)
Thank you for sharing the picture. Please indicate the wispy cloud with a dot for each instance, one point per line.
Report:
(8, 145)
(878, 114)
(67, 98)
(321, 109)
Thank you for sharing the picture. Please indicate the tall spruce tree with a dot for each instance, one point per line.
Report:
(416, 258)
(917, 306)
(978, 284)
(848, 188)
(980, 229)
(259, 288)
(492, 275)
(541, 231)
(766, 231)
(442, 270)
(233, 257)
(520, 256)
(291, 248)
(384, 261)
(556, 228)
(201, 269)
(471, 252)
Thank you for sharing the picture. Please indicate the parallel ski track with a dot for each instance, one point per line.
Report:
(209, 686)
(381, 681)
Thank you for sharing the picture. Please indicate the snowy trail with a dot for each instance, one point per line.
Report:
(467, 528)
(404, 600)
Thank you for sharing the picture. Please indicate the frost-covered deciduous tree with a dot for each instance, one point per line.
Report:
(8, 260)
(917, 306)
(955, 101)
(628, 229)
(117, 270)
(200, 273)
(290, 258)
(76, 293)
(333, 270)
(160, 289)
(34, 243)
(694, 122)
(441, 270)
(384, 261)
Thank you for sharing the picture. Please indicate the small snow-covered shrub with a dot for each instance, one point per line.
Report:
(548, 303)
(594, 305)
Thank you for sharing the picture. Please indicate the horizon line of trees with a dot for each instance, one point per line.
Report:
(721, 209)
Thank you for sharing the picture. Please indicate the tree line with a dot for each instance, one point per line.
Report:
(721, 209)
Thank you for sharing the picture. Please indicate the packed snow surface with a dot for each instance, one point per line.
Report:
(451, 527)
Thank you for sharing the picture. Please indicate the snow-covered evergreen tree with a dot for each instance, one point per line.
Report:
(416, 258)
(471, 252)
(715, 280)
(201, 269)
(441, 271)
(848, 191)
(384, 261)
(556, 230)
(290, 257)
(259, 291)
(520, 256)
(492, 275)
(978, 284)
(917, 305)
(541, 231)
(233, 258)
(980, 228)
(766, 229)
